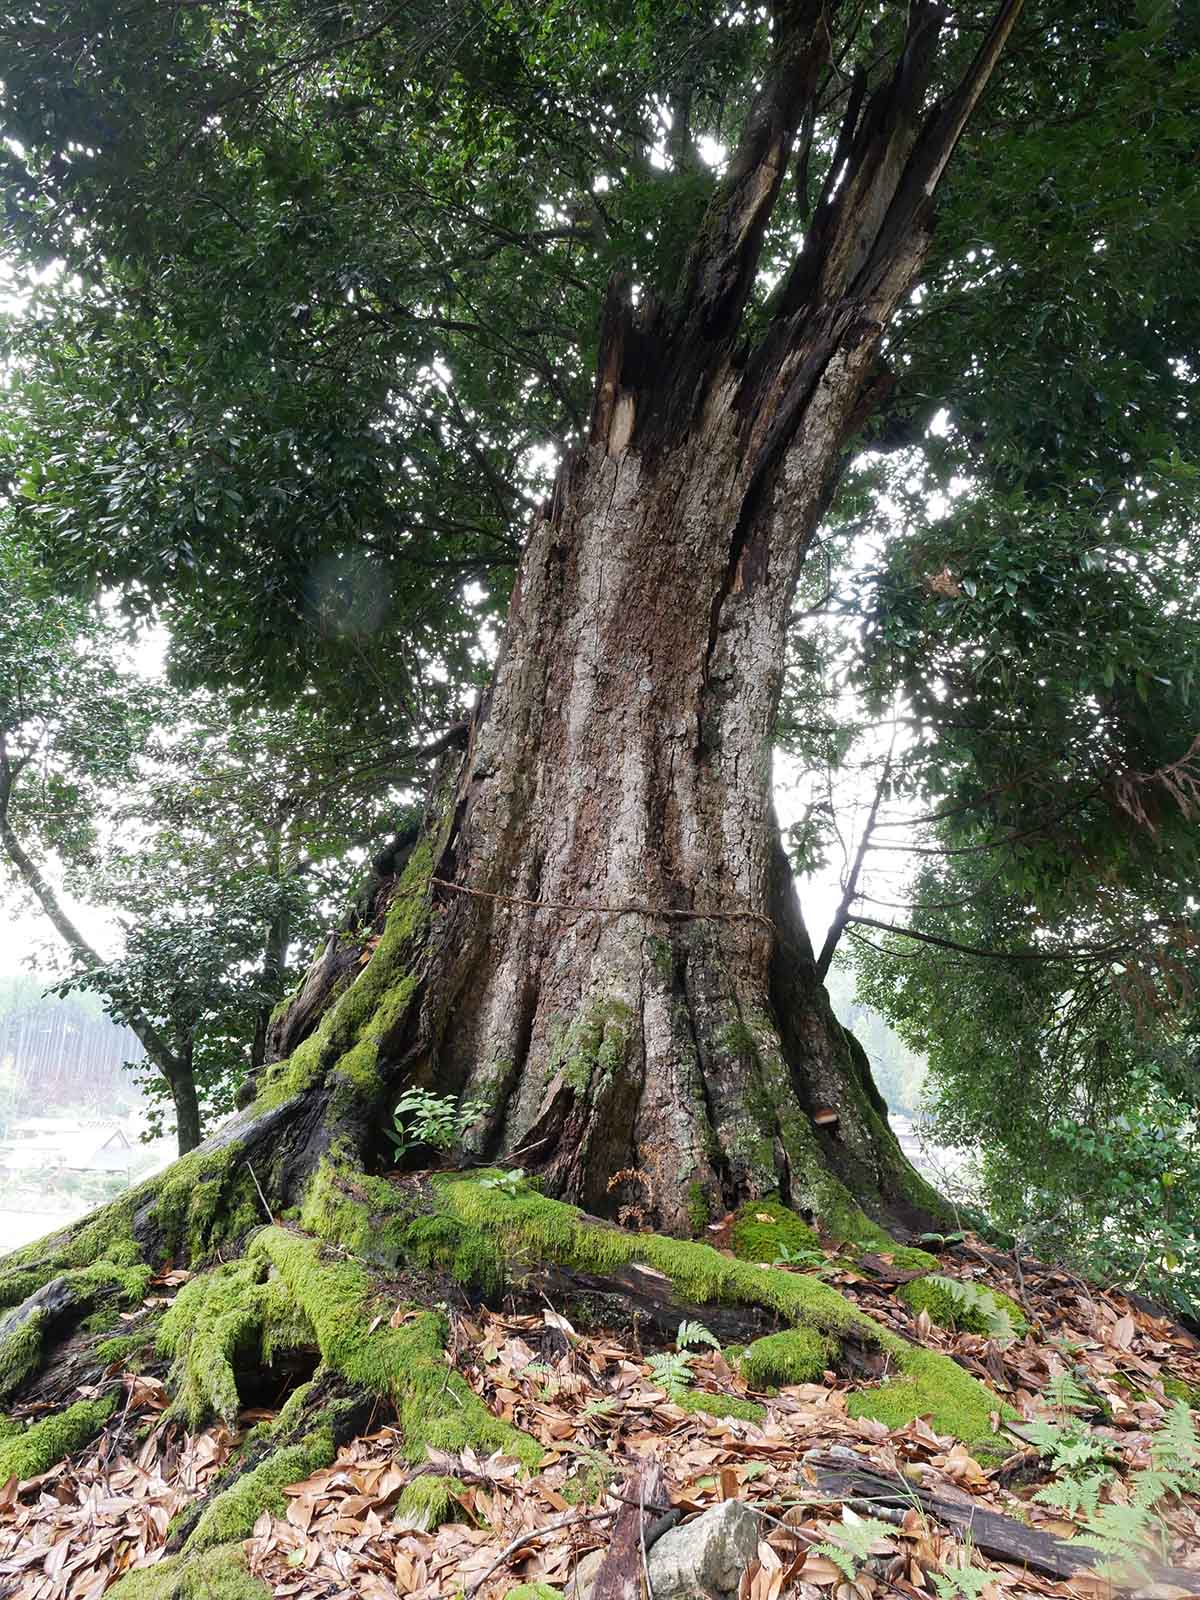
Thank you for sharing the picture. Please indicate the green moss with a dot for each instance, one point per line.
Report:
(234, 1310)
(465, 1252)
(760, 1227)
(924, 1294)
(350, 1034)
(909, 1259)
(661, 956)
(232, 1515)
(934, 1386)
(798, 1355)
(721, 1405)
(215, 1575)
(18, 1286)
(530, 1226)
(428, 1501)
(121, 1348)
(129, 1281)
(20, 1352)
(39, 1447)
(1177, 1389)
(593, 1049)
(527, 1225)
(107, 1237)
(533, 1591)
(1007, 1303)
(407, 1363)
(697, 1207)
(947, 1310)
(736, 1039)
(101, 1321)
(206, 1199)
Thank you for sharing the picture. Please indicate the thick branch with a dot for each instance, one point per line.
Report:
(724, 258)
(941, 133)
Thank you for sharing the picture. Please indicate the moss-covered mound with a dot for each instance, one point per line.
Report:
(215, 1575)
(767, 1230)
(286, 1291)
(800, 1355)
(963, 1307)
(721, 1405)
(497, 1225)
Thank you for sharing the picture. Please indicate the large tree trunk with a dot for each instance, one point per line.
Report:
(616, 965)
(622, 761)
(595, 934)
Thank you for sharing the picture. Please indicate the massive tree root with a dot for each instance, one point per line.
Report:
(360, 1287)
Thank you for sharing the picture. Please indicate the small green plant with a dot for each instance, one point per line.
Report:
(437, 1120)
(507, 1182)
(547, 1380)
(813, 1261)
(1082, 1462)
(694, 1333)
(938, 1240)
(1065, 1393)
(672, 1371)
(1131, 1531)
(855, 1537)
(965, 1581)
(980, 1305)
(597, 1408)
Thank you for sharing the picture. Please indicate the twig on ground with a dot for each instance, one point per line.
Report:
(529, 1536)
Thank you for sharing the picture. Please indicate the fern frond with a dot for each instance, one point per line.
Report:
(1075, 1496)
(1064, 1394)
(842, 1559)
(1124, 1531)
(854, 1539)
(671, 1371)
(1175, 1448)
(695, 1333)
(961, 1583)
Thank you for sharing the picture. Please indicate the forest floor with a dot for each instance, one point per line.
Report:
(1097, 1381)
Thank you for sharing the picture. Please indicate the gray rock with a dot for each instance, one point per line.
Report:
(705, 1559)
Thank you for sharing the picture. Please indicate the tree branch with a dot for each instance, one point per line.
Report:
(721, 266)
(850, 888)
(1083, 953)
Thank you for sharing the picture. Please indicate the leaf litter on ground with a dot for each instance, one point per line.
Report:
(597, 1411)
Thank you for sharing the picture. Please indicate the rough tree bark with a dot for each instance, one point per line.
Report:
(616, 963)
(595, 933)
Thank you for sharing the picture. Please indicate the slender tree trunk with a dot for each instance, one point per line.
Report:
(186, 1101)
